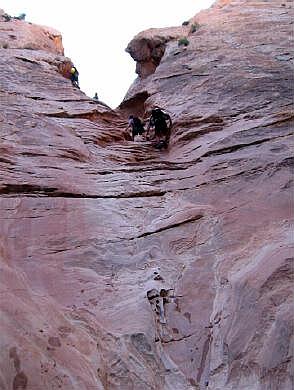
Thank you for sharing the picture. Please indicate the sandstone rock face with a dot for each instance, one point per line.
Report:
(148, 47)
(127, 268)
(16, 34)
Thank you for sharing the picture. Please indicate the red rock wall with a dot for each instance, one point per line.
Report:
(91, 222)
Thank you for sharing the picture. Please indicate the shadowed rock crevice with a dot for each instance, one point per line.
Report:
(33, 190)
(171, 226)
(231, 149)
(135, 105)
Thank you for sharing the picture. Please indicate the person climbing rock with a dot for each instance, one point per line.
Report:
(6, 17)
(136, 125)
(96, 96)
(162, 123)
(74, 77)
(20, 17)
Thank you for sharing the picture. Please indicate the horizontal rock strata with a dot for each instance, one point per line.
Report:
(127, 268)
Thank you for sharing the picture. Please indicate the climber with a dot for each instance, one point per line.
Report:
(6, 17)
(20, 17)
(74, 77)
(137, 126)
(96, 96)
(158, 120)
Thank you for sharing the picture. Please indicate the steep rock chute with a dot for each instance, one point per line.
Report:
(127, 268)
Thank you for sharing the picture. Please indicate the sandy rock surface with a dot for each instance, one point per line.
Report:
(123, 267)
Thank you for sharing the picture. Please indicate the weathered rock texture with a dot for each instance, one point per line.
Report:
(91, 222)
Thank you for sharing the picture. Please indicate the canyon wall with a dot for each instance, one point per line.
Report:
(123, 267)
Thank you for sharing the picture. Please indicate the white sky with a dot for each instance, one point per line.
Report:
(95, 34)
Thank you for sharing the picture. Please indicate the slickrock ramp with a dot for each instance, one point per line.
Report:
(126, 268)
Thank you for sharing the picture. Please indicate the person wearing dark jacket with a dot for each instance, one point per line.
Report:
(74, 77)
(136, 125)
(162, 123)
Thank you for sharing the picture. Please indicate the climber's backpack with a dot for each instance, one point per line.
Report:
(159, 119)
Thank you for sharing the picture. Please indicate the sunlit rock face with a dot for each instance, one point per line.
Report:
(148, 47)
(15, 34)
(127, 268)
